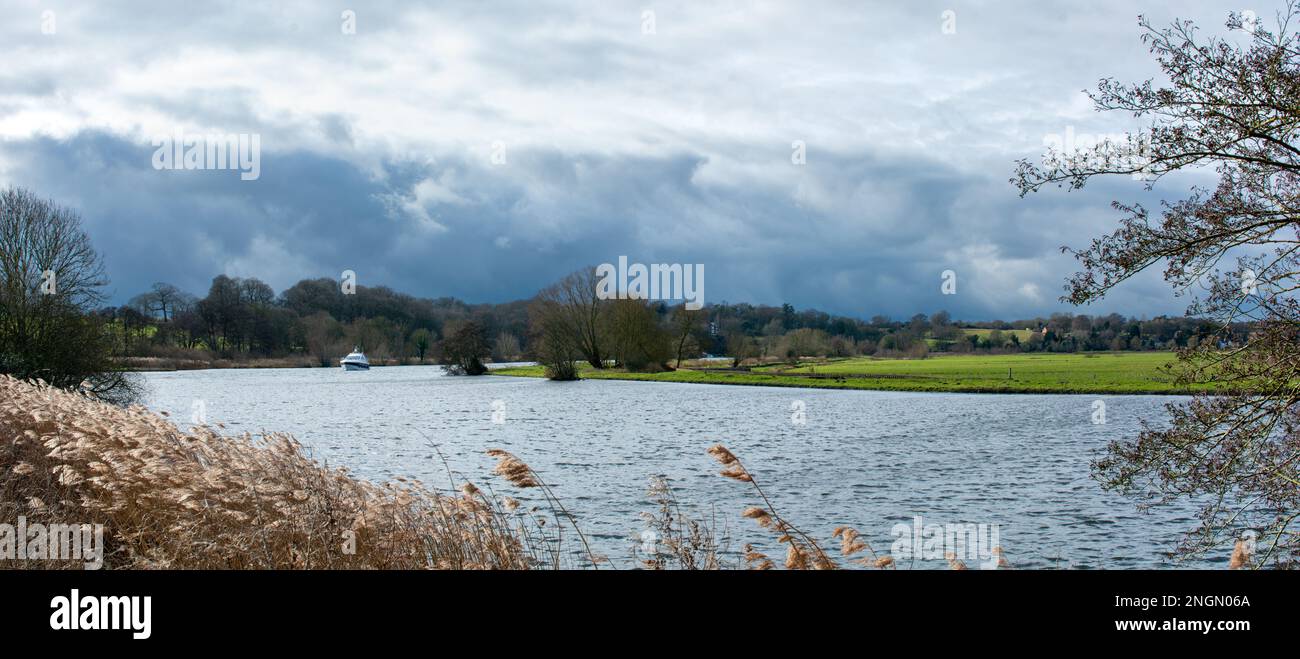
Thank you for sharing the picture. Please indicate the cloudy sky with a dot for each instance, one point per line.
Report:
(484, 149)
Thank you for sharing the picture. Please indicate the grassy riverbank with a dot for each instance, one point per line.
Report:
(1099, 373)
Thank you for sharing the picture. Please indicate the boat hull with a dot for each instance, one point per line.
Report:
(356, 367)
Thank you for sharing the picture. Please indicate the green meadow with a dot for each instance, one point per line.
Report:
(1099, 373)
(1022, 334)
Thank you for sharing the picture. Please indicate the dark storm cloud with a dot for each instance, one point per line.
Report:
(668, 147)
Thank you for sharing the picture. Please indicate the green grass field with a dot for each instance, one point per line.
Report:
(1022, 334)
(1102, 373)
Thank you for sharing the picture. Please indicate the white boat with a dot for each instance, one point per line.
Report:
(355, 361)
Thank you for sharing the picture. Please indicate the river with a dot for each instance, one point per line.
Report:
(870, 460)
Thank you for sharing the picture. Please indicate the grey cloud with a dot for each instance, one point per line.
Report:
(672, 148)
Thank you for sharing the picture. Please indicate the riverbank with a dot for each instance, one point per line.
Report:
(163, 364)
(1081, 373)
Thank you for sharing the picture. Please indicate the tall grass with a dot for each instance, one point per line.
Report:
(677, 541)
(199, 499)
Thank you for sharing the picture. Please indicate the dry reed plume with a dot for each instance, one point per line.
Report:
(678, 542)
(199, 499)
(954, 562)
(519, 474)
(1003, 564)
(1240, 555)
(802, 551)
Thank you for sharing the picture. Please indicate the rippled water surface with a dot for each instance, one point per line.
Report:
(863, 459)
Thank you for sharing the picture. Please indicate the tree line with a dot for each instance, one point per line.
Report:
(570, 324)
(316, 318)
(567, 323)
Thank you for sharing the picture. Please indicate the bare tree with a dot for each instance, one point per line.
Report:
(1235, 108)
(421, 339)
(160, 301)
(554, 341)
(50, 280)
(323, 335)
(636, 340)
(742, 347)
(572, 305)
(464, 349)
(688, 328)
(506, 347)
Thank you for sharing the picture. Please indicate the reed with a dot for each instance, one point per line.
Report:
(802, 551)
(203, 500)
(679, 541)
(519, 474)
(1241, 555)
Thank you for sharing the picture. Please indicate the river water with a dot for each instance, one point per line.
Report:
(870, 460)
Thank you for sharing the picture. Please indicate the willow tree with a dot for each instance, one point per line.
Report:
(1230, 106)
(51, 279)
